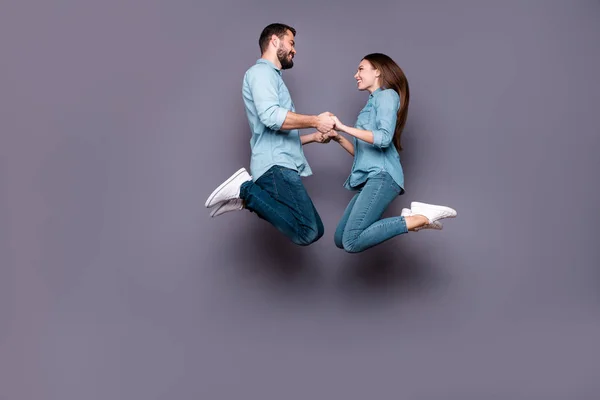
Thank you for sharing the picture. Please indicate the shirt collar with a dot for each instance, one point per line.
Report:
(379, 89)
(265, 61)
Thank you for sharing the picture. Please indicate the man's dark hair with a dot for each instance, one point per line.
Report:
(274, 29)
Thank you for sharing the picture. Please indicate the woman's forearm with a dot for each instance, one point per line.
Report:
(346, 144)
(365, 136)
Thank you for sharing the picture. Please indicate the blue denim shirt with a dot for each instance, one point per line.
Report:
(267, 101)
(378, 116)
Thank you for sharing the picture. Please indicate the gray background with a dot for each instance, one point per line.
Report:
(120, 117)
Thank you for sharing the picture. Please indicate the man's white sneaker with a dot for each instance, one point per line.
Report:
(431, 211)
(227, 206)
(230, 189)
(406, 212)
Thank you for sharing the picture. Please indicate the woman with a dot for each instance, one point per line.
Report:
(376, 172)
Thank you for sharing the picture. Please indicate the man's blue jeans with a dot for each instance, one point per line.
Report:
(280, 198)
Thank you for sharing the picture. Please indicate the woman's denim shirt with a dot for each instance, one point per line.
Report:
(378, 116)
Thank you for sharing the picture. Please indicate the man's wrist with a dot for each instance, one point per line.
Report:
(314, 121)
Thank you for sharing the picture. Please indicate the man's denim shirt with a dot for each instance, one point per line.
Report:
(267, 102)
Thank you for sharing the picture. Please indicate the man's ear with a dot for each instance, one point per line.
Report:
(275, 40)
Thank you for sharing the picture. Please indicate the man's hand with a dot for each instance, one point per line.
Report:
(325, 122)
(333, 135)
(321, 137)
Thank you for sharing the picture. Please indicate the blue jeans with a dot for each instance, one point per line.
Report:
(361, 225)
(280, 198)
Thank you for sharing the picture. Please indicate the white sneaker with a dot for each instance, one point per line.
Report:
(406, 212)
(226, 206)
(431, 211)
(230, 189)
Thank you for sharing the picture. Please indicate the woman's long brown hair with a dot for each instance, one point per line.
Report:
(392, 77)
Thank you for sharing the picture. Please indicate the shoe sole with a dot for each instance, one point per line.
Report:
(215, 211)
(417, 204)
(221, 186)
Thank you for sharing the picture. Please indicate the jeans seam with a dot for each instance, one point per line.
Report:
(275, 186)
(302, 228)
(363, 215)
(390, 221)
(291, 193)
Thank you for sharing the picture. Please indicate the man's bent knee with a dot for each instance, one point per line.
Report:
(308, 235)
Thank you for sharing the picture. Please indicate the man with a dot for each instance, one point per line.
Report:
(275, 191)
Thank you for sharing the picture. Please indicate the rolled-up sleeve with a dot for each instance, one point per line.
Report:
(263, 83)
(386, 109)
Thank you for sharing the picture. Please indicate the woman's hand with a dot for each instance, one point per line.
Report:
(338, 124)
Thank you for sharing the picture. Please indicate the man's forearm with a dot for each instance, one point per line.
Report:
(299, 121)
(308, 138)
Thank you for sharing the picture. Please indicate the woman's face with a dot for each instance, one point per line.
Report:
(367, 77)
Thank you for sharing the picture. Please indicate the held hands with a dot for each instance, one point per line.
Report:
(338, 124)
(325, 122)
(333, 135)
(328, 122)
(321, 137)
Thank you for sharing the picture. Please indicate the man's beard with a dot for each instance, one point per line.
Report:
(283, 57)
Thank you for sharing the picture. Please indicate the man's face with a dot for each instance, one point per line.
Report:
(286, 50)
